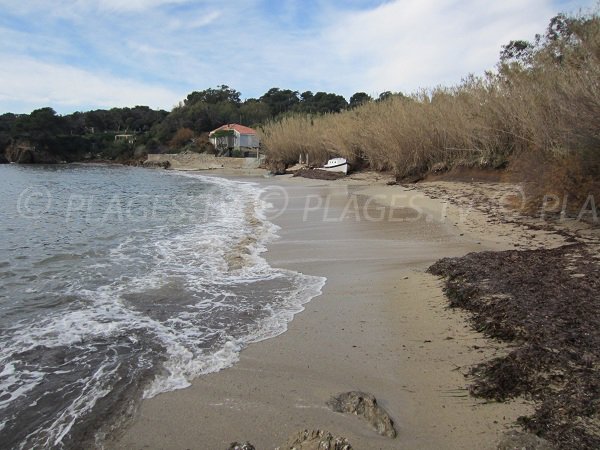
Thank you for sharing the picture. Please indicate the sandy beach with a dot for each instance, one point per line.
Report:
(381, 326)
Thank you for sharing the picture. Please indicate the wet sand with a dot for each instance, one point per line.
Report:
(380, 326)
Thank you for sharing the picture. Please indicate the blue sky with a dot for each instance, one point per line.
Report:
(86, 54)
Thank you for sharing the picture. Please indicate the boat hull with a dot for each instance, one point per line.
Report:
(336, 165)
(337, 168)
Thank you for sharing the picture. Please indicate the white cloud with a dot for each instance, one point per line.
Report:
(198, 22)
(128, 5)
(204, 20)
(400, 45)
(74, 9)
(407, 44)
(154, 51)
(33, 84)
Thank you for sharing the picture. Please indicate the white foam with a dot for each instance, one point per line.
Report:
(196, 255)
(183, 366)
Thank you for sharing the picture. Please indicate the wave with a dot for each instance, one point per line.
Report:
(168, 303)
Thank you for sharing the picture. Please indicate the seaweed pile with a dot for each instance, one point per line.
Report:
(318, 174)
(546, 304)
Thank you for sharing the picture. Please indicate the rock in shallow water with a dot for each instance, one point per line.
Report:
(364, 405)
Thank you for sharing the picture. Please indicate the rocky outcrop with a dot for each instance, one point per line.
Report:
(157, 164)
(19, 155)
(364, 405)
(24, 153)
(315, 440)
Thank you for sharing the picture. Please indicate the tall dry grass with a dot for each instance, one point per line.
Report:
(467, 125)
(543, 109)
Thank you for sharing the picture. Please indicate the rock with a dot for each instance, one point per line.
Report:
(23, 152)
(23, 156)
(157, 164)
(315, 440)
(133, 162)
(518, 440)
(276, 167)
(239, 446)
(364, 405)
(3, 159)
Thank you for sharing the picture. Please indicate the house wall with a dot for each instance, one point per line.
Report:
(231, 141)
(248, 140)
(240, 140)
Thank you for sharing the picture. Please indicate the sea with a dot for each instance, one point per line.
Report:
(121, 283)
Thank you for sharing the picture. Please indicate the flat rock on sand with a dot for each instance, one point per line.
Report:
(315, 440)
(364, 405)
(304, 440)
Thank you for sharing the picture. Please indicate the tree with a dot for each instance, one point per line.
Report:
(7, 124)
(141, 118)
(41, 126)
(384, 96)
(359, 98)
(280, 100)
(320, 103)
(75, 123)
(516, 52)
(324, 102)
(181, 137)
(253, 112)
(306, 96)
(97, 120)
(223, 93)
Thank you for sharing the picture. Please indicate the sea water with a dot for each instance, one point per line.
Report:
(119, 283)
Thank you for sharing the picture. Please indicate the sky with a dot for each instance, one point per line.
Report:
(78, 55)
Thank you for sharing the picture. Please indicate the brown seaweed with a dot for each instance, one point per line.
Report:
(546, 304)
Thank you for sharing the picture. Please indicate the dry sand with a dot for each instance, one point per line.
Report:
(381, 326)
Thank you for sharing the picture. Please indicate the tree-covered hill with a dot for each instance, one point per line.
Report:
(91, 135)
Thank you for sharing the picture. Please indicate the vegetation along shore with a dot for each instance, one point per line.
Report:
(518, 148)
(535, 118)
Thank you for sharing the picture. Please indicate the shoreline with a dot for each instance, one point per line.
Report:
(392, 336)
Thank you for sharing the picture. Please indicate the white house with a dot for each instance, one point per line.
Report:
(234, 137)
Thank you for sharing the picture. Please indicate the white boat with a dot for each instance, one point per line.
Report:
(337, 165)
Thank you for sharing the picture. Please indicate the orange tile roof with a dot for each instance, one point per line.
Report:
(237, 127)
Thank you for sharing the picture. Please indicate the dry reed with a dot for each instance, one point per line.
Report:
(544, 109)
